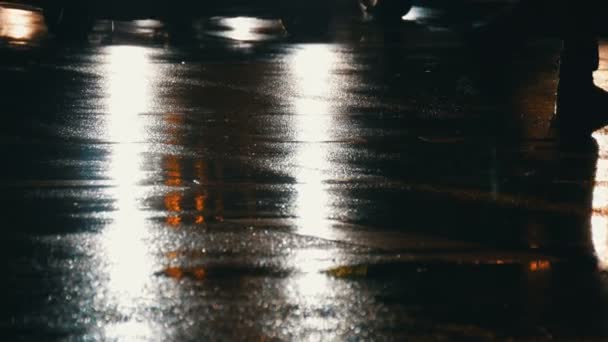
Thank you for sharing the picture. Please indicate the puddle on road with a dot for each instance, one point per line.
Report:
(168, 178)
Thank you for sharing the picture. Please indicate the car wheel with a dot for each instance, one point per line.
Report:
(387, 10)
(67, 20)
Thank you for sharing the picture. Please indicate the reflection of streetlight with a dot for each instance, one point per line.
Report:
(314, 88)
(599, 221)
(312, 67)
(128, 261)
(128, 75)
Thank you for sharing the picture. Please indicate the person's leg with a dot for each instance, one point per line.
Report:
(579, 102)
(580, 48)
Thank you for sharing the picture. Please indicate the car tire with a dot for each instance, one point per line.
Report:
(388, 11)
(67, 19)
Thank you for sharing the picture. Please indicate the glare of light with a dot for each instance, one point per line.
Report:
(129, 331)
(241, 28)
(17, 24)
(248, 28)
(415, 13)
(129, 260)
(599, 221)
(311, 284)
(311, 289)
(311, 66)
(311, 106)
(129, 72)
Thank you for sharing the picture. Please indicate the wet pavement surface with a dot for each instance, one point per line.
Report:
(235, 183)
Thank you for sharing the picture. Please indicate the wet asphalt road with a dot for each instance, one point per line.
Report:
(385, 183)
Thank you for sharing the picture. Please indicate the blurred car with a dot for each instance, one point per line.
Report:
(73, 17)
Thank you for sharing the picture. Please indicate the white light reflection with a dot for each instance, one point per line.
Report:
(128, 260)
(599, 220)
(241, 28)
(124, 240)
(247, 29)
(417, 13)
(315, 87)
(313, 292)
(129, 72)
(312, 69)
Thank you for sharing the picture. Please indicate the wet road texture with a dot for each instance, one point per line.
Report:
(383, 183)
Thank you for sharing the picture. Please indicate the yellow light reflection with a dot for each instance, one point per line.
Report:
(539, 265)
(173, 199)
(174, 172)
(178, 273)
(200, 199)
(173, 203)
(599, 221)
(199, 202)
(173, 127)
(199, 205)
(18, 24)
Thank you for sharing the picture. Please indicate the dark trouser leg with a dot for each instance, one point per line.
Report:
(580, 49)
(576, 94)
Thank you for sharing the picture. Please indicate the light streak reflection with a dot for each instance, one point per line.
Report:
(315, 85)
(129, 73)
(129, 262)
(599, 221)
(312, 67)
